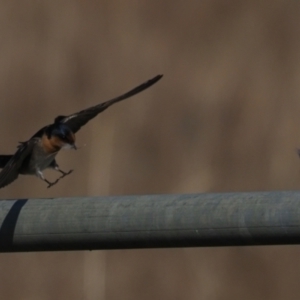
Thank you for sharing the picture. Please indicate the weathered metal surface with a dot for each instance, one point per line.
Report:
(153, 221)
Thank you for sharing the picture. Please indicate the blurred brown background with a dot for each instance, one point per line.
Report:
(225, 117)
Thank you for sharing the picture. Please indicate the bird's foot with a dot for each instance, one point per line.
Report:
(64, 173)
(52, 183)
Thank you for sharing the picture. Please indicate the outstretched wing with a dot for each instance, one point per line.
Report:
(77, 120)
(10, 171)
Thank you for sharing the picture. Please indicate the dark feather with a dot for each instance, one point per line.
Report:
(4, 160)
(59, 119)
(10, 171)
(77, 120)
(40, 133)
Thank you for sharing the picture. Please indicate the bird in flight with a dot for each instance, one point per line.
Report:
(39, 152)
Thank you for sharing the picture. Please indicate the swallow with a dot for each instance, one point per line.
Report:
(39, 152)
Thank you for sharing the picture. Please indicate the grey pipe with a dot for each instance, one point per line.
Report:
(151, 221)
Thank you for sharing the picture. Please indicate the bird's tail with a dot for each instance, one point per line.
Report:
(4, 159)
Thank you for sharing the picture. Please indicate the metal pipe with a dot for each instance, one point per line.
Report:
(150, 221)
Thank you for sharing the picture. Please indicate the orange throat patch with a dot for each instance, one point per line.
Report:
(52, 145)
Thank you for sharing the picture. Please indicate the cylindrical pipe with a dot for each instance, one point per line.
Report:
(152, 221)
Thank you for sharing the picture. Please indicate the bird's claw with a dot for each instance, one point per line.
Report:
(52, 183)
(65, 173)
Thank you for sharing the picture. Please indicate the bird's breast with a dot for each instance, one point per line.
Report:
(38, 160)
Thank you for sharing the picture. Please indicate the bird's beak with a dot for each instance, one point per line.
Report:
(74, 147)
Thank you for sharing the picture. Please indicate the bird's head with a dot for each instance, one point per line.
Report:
(60, 136)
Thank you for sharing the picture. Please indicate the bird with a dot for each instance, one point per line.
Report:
(39, 152)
